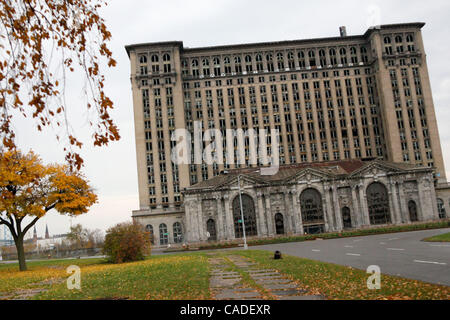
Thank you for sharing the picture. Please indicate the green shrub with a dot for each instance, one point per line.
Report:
(126, 242)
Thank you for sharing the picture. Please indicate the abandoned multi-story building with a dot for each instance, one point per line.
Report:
(358, 139)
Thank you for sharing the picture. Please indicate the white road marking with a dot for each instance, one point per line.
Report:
(382, 242)
(394, 239)
(357, 240)
(348, 246)
(395, 249)
(353, 254)
(431, 262)
(439, 245)
(315, 250)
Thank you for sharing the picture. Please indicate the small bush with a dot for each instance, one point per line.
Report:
(126, 242)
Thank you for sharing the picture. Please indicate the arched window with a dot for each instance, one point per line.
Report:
(398, 39)
(205, 62)
(280, 59)
(248, 208)
(227, 60)
(343, 54)
(259, 57)
(364, 56)
(441, 209)
(211, 228)
(378, 204)
(412, 208)
(149, 229)
(155, 58)
(279, 223)
(248, 59)
(346, 218)
(194, 63)
(312, 58)
(237, 59)
(143, 59)
(387, 40)
(322, 57)
(177, 233)
(333, 59)
(409, 38)
(312, 211)
(301, 59)
(216, 62)
(163, 234)
(166, 57)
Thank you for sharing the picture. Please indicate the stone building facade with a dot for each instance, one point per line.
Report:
(310, 198)
(331, 99)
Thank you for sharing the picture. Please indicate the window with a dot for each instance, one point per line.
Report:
(177, 233)
(163, 234)
(441, 209)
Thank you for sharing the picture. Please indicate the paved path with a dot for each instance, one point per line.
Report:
(399, 254)
(229, 285)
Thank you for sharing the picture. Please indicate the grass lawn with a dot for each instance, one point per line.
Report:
(340, 282)
(186, 276)
(440, 238)
(157, 278)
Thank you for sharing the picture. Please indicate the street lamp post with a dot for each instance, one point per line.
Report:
(242, 212)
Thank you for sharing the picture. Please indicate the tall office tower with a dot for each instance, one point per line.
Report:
(337, 98)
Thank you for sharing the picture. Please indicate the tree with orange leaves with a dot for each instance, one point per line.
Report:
(30, 189)
(41, 42)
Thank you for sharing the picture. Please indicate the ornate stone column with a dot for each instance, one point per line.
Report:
(404, 212)
(228, 218)
(337, 210)
(297, 212)
(288, 215)
(201, 225)
(363, 205)
(329, 224)
(357, 216)
(220, 219)
(393, 200)
(262, 226)
(269, 216)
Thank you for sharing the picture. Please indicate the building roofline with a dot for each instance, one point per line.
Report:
(364, 36)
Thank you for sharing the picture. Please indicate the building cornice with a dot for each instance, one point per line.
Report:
(284, 43)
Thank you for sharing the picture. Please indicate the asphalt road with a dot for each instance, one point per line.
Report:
(398, 254)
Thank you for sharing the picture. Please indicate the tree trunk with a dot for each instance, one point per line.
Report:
(21, 253)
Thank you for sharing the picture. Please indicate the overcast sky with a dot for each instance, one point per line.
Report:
(112, 170)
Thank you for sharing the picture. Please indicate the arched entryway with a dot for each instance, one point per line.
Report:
(248, 208)
(312, 211)
(412, 208)
(378, 204)
(279, 223)
(346, 218)
(211, 228)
